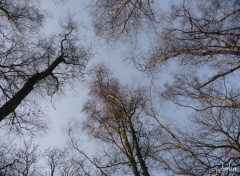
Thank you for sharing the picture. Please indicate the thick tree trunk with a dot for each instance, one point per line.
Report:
(10, 106)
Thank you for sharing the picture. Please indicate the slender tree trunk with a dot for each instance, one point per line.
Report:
(129, 153)
(138, 150)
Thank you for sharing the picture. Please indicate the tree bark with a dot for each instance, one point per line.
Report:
(10, 106)
(138, 150)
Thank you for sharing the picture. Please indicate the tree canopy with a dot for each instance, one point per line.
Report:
(126, 122)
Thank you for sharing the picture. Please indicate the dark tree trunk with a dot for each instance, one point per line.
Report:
(10, 106)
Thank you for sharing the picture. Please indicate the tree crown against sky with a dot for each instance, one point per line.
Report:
(115, 19)
(34, 65)
(115, 115)
(198, 36)
(202, 38)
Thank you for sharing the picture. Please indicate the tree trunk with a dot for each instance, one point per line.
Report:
(10, 106)
(138, 150)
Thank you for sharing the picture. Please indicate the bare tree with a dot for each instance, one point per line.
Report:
(204, 39)
(209, 146)
(28, 157)
(202, 36)
(28, 160)
(32, 65)
(117, 117)
(6, 161)
(20, 16)
(21, 159)
(114, 19)
(54, 158)
(198, 35)
(63, 162)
